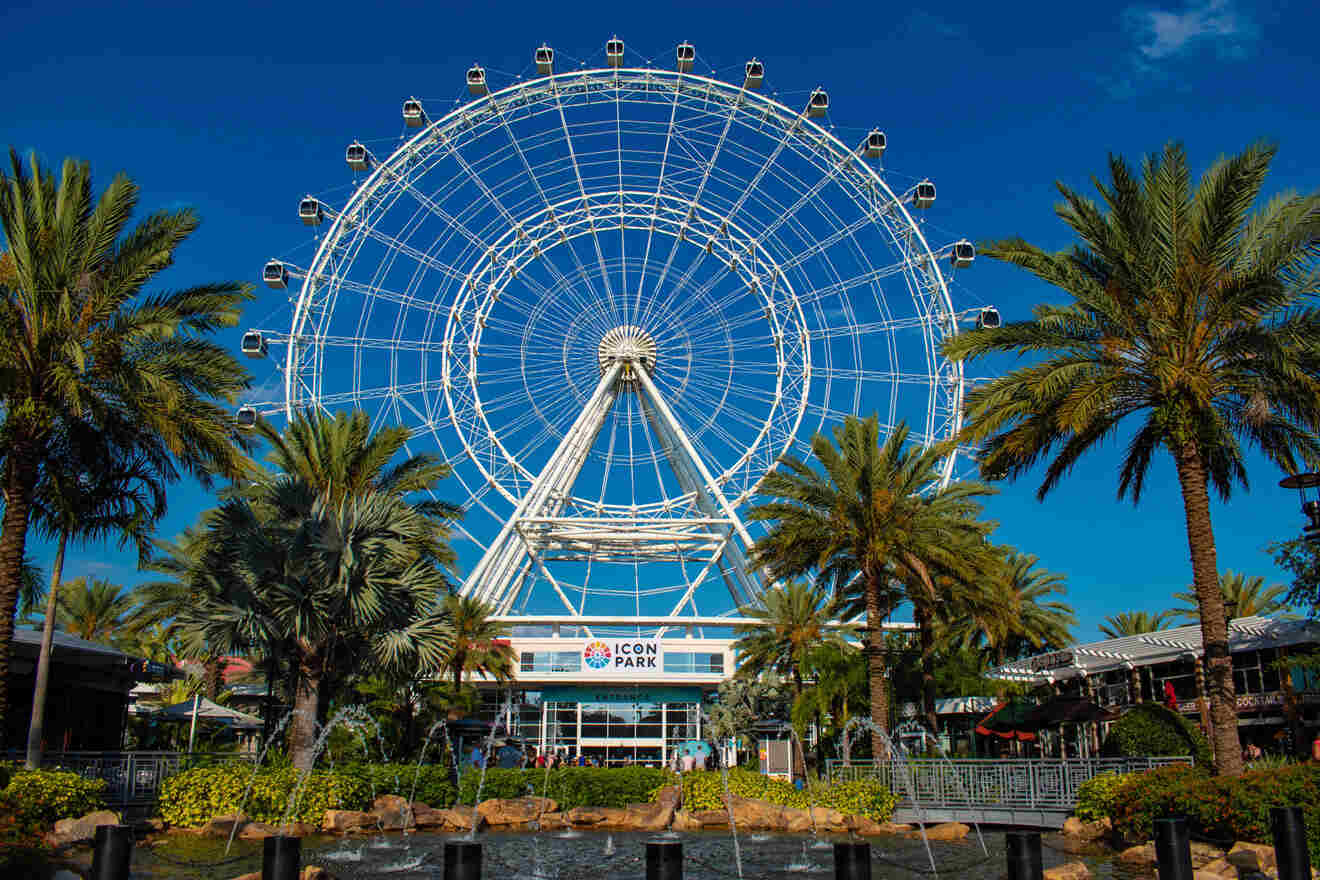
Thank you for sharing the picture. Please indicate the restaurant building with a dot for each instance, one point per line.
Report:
(1278, 704)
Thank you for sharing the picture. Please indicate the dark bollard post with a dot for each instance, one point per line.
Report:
(462, 860)
(114, 850)
(1173, 848)
(664, 860)
(1024, 859)
(852, 861)
(1290, 850)
(281, 858)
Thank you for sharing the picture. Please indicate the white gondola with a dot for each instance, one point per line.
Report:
(988, 319)
(309, 209)
(545, 60)
(356, 156)
(614, 52)
(923, 195)
(875, 144)
(275, 274)
(818, 103)
(754, 74)
(962, 254)
(476, 80)
(254, 344)
(246, 417)
(686, 55)
(413, 114)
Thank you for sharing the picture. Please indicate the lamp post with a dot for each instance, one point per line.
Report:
(1308, 485)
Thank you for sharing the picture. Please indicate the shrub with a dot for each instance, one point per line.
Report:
(1221, 808)
(1096, 796)
(1150, 729)
(433, 786)
(192, 797)
(704, 790)
(569, 786)
(42, 797)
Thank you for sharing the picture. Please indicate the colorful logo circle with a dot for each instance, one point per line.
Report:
(597, 655)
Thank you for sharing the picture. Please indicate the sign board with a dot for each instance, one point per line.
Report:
(624, 695)
(621, 656)
(1053, 660)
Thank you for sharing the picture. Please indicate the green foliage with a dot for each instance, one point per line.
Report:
(192, 797)
(1300, 558)
(41, 797)
(1222, 808)
(704, 790)
(570, 786)
(433, 786)
(1154, 730)
(1097, 796)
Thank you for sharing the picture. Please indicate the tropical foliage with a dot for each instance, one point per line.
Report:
(1243, 597)
(478, 645)
(85, 344)
(1135, 623)
(1188, 320)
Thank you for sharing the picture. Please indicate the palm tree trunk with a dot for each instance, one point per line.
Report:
(36, 726)
(926, 635)
(212, 677)
(875, 663)
(306, 708)
(799, 755)
(1210, 599)
(20, 481)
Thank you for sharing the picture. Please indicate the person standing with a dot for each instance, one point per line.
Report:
(676, 759)
(689, 761)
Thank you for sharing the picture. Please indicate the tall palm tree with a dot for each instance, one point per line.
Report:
(350, 581)
(1135, 623)
(871, 515)
(92, 488)
(83, 342)
(93, 609)
(793, 620)
(1243, 597)
(477, 643)
(1014, 615)
(1188, 313)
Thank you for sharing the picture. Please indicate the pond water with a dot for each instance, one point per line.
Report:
(601, 856)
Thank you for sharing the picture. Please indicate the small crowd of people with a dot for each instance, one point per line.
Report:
(683, 759)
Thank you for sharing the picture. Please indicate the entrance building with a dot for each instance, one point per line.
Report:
(620, 700)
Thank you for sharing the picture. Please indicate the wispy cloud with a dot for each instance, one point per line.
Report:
(1215, 24)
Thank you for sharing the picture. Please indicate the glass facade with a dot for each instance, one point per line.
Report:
(694, 662)
(550, 661)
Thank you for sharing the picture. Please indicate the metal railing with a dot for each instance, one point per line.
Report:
(1006, 783)
(133, 778)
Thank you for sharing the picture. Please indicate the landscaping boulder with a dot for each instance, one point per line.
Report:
(343, 821)
(1219, 869)
(754, 815)
(1068, 871)
(871, 828)
(685, 821)
(424, 816)
(392, 812)
(223, 826)
(1141, 855)
(1252, 857)
(650, 817)
(1205, 853)
(942, 832)
(81, 830)
(671, 796)
(711, 818)
(256, 831)
(515, 811)
(457, 818)
(1074, 827)
(597, 817)
(553, 821)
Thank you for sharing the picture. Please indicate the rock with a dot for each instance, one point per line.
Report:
(684, 821)
(1219, 869)
(1205, 853)
(316, 872)
(1141, 854)
(256, 831)
(392, 812)
(650, 817)
(871, 828)
(671, 796)
(711, 818)
(81, 830)
(942, 832)
(515, 811)
(754, 815)
(553, 821)
(1073, 845)
(597, 817)
(1068, 871)
(1074, 827)
(456, 818)
(343, 821)
(428, 817)
(223, 826)
(1252, 857)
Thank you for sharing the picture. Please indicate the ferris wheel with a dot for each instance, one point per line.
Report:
(612, 298)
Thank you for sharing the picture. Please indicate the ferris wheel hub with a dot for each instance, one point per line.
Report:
(631, 344)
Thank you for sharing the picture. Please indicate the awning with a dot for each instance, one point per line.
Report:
(1010, 720)
(209, 711)
(1068, 710)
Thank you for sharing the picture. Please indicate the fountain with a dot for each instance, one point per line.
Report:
(900, 769)
(261, 759)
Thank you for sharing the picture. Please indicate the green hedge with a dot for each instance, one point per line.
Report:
(1155, 730)
(569, 786)
(704, 790)
(1097, 797)
(42, 797)
(1220, 808)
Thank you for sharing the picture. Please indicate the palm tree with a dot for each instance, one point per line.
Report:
(477, 643)
(872, 516)
(1190, 314)
(349, 580)
(1013, 616)
(1135, 623)
(83, 343)
(793, 619)
(92, 488)
(96, 610)
(1243, 597)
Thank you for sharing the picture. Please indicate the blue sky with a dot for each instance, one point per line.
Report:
(239, 109)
